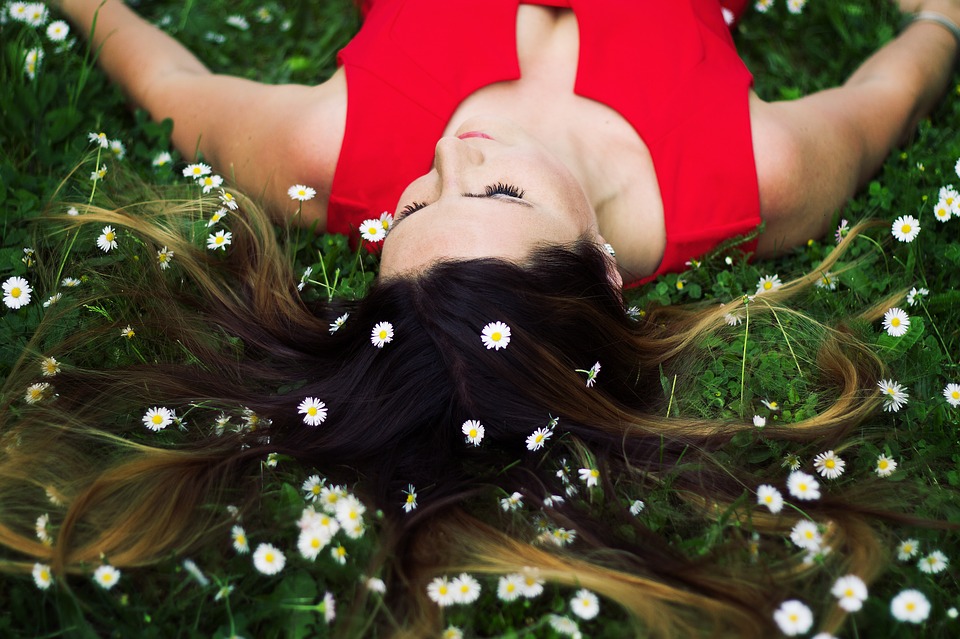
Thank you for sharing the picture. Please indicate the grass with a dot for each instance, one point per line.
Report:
(47, 158)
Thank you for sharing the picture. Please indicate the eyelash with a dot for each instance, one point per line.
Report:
(494, 189)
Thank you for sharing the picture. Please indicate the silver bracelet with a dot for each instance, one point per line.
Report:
(933, 16)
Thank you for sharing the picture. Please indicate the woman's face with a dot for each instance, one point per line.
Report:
(494, 191)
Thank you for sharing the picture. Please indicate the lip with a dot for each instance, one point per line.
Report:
(474, 134)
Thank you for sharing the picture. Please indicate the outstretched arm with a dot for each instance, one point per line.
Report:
(813, 153)
(262, 137)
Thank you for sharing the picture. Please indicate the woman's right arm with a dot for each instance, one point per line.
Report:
(264, 138)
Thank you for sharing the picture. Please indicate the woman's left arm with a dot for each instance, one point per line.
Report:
(814, 152)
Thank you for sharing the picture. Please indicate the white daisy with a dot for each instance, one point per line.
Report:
(803, 486)
(307, 272)
(538, 438)
(268, 559)
(906, 228)
(916, 295)
(118, 149)
(772, 405)
(107, 239)
(410, 499)
(590, 476)
(796, 6)
(827, 281)
(850, 591)
(42, 576)
(337, 323)
(339, 554)
(58, 31)
(375, 584)
(933, 563)
(585, 604)
(16, 292)
(844, 227)
(759, 421)
(451, 632)
(829, 464)
(220, 239)
(952, 394)
(209, 182)
(910, 605)
(942, 211)
(49, 366)
(636, 507)
(793, 617)
(311, 541)
(196, 170)
(381, 334)
(349, 512)
(313, 487)
(98, 174)
(532, 583)
(512, 502)
(440, 591)
(100, 139)
(564, 625)
(592, 374)
(806, 535)
(106, 576)
(896, 322)
(43, 529)
(301, 192)
(158, 418)
(473, 431)
(465, 588)
(127, 332)
(509, 587)
(770, 497)
(164, 257)
(162, 159)
(36, 14)
(896, 396)
(769, 283)
(329, 607)
(386, 221)
(495, 335)
(314, 411)
(238, 22)
(885, 466)
(228, 201)
(36, 392)
(372, 230)
(907, 549)
(70, 282)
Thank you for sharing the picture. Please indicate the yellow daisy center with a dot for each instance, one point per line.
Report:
(510, 587)
(848, 592)
(44, 575)
(315, 489)
(157, 419)
(442, 589)
(768, 499)
(910, 606)
(242, 540)
(793, 617)
(905, 229)
(955, 394)
(907, 548)
(882, 464)
(15, 291)
(496, 336)
(312, 411)
(410, 499)
(473, 432)
(109, 237)
(220, 239)
(383, 334)
(269, 558)
(895, 322)
(767, 286)
(314, 543)
(802, 487)
(341, 552)
(829, 463)
(594, 473)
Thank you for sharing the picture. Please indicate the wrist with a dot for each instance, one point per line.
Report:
(943, 20)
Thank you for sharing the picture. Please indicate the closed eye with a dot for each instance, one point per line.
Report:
(500, 188)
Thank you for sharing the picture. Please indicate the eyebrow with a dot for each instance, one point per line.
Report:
(505, 200)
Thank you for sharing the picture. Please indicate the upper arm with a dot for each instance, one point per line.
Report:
(813, 153)
(263, 138)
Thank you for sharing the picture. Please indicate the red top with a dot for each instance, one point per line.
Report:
(669, 67)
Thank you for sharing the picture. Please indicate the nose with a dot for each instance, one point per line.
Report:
(452, 156)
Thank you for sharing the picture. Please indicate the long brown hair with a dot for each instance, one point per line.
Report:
(246, 341)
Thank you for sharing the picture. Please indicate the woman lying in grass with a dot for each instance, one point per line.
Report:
(491, 394)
